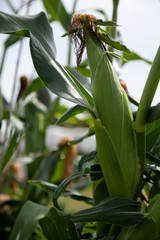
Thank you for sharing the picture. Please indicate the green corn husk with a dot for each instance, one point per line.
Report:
(116, 144)
(146, 230)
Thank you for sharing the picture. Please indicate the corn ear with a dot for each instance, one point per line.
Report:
(116, 144)
(146, 230)
(112, 170)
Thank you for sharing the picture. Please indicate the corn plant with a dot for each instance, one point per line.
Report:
(124, 166)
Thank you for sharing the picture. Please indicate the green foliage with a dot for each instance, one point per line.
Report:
(61, 228)
(60, 189)
(121, 175)
(49, 187)
(14, 141)
(114, 211)
(27, 220)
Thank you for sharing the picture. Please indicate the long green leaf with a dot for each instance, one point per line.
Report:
(119, 211)
(49, 187)
(26, 26)
(27, 220)
(79, 74)
(58, 226)
(134, 56)
(115, 44)
(71, 113)
(85, 93)
(53, 75)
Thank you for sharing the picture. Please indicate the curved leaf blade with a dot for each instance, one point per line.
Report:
(115, 44)
(43, 51)
(119, 211)
(71, 113)
(54, 76)
(27, 220)
(134, 56)
(50, 187)
(61, 188)
(35, 24)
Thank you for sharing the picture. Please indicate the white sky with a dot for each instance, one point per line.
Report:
(139, 22)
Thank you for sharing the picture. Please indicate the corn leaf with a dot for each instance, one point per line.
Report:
(119, 211)
(43, 51)
(152, 134)
(117, 56)
(83, 91)
(63, 186)
(134, 56)
(70, 113)
(27, 220)
(49, 187)
(115, 44)
(154, 114)
(147, 230)
(58, 226)
(11, 40)
(86, 158)
(81, 78)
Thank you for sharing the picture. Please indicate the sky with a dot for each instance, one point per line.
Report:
(139, 22)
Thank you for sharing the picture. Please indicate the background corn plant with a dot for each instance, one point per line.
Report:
(123, 170)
